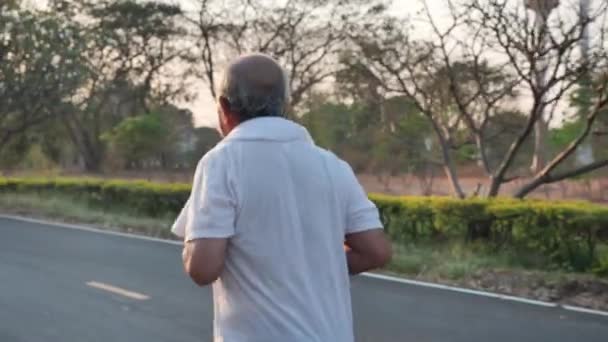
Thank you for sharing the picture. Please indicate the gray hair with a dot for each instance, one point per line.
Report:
(250, 98)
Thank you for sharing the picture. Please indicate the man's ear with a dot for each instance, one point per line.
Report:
(224, 104)
(231, 119)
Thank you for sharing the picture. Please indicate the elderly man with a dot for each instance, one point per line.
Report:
(274, 222)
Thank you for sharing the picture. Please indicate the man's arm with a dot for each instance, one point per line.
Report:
(204, 259)
(367, 250)
(208, 220)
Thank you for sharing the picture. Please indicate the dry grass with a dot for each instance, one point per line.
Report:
(502, 271)
(68, 209)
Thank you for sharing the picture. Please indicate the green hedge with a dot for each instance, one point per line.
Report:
(567, 233)
(154, 199)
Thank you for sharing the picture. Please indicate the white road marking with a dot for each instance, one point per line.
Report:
(90, 229)
(118, 290)
(369, 275)
(585, 310)
(460, 290)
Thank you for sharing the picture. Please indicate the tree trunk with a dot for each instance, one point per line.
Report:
(91, 154)
(89, 150)
(541, 126)
(92, 163)
(4, 139)
(585, 152)
(539, 159)
(450, 170)
(494, 188)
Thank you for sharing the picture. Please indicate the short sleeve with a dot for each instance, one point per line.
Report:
(210, 212)
(362, 214)
(179, 226)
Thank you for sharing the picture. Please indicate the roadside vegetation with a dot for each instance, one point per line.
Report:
(553, 251)
(70, 209)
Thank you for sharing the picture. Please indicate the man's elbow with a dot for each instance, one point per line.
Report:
(203, 279)
(382, 255)
(202, 276)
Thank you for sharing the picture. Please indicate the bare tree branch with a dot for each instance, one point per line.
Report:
(553, 178)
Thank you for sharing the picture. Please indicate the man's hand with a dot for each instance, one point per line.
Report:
(367, 250)
(204, 259)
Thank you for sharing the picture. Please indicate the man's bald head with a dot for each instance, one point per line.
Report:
(255, 85)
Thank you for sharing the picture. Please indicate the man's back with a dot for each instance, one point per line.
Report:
(285, 276)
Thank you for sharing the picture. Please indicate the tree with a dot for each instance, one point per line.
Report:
(405, 146)
(163, 138)
(399, 139)
(455, 84)
(331, 124)
(304, 36)
(140, 140)
(582, 101)
(132, 49)
(205, 139)
(40, 67)
(182, 137)
(356, 132)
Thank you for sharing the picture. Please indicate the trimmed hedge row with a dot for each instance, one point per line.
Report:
(567, 233)
(153, 199)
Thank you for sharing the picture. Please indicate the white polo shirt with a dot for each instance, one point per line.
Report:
(286, 206)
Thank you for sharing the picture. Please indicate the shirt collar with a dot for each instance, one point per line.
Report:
(269, 129)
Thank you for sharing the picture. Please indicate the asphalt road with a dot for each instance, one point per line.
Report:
(44, 297)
